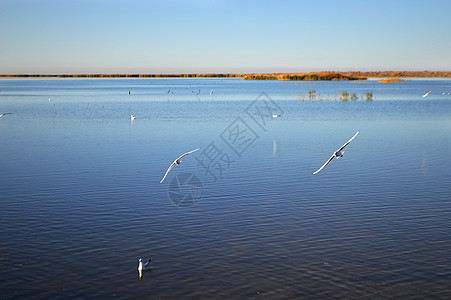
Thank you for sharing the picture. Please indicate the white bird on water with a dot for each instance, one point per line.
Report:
(337, 154)
(177, 162)
(132, 117)
(5, 114)
(144, 267)
(427, 94)
(276, 116)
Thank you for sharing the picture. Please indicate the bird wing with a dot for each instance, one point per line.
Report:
(183, 155)
(342, 147)
(173, 164)
(1, 115)
(325, 164)
(169, 169)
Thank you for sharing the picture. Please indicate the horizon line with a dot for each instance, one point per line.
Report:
(231, 74)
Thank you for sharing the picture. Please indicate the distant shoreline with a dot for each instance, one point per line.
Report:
(329, 76)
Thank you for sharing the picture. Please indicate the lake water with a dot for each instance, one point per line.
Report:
(243, 217)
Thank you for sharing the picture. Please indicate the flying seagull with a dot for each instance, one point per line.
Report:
(176, 162)
(427, 94)
(5, 114)
(337, 154)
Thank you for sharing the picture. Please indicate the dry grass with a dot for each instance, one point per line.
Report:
(390, 80)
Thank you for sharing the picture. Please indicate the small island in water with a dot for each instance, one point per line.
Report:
(332, 75)
(391, 80)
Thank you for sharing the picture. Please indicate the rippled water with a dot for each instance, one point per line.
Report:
(81, 200)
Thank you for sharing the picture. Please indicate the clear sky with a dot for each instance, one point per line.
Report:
(137, 36)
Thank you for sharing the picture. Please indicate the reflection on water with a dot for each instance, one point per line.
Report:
(80, 188)
(274, 147)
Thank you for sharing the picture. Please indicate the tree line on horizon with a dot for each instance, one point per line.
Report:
(348, 75)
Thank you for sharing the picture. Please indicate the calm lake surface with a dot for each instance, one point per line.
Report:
(243, 217)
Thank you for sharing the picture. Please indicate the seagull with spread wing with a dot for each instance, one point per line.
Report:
(177, 162)
(337, 154)
(1, 115)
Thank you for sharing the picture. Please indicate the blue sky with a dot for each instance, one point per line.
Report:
(78, 36)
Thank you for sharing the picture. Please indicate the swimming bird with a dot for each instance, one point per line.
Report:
(427, 94)
(132, 117)
(337, 154)
(144, 267)
(276, 116)
(177, 162)
(5, 114)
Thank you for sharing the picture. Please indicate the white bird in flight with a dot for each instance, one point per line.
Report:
(177, 162)
(132, 117)
(5, 114)
(337, 154)
(427, 94)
